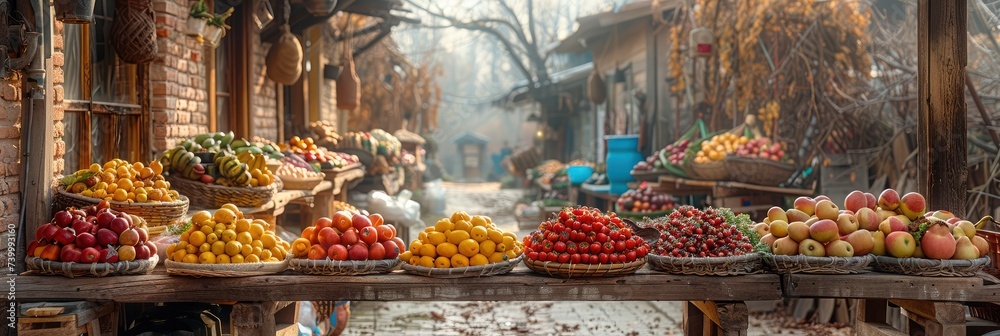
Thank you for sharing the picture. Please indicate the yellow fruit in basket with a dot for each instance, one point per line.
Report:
(233, 247)
(487, 247)
(478, 260)
(301, 247)
(205, 247)
(511, 254)
(269, 240)
(501, 247)
(278, 252)
(460, 215)
(141, 198)
(253, 258)
(120, 195)
(256, 230)
(207, 229)
(443, 225)
(146, 172)
(244, 238)
(415, 246)
(246, 250)
(236, 259)
(429, 229)
(405, 256)
(95, 168)
(160, 185)
(191, 249)
(442, 262)
(257, 243)
(422, 237)
(222, 259)
(178, 255)
(479, 233)
(463, 225)
(497, 257)
(265, 254)
(190, 258)
(219, 247)
(228, 235)
(478, 221)
(428, 250)
(170, 249)
(206, 258)
(197, 238)
(457, 236)
(182, 245)
(509, 241)
(255, 250)
(87, 193)
(446, 250)
(157, 167)
(212, 238)
(436, 238)
(495, 235)
(224, 215)
(242, 225)
(468, 248)
(426, 261)
(264, 180)
(200, 217)
(459, 260)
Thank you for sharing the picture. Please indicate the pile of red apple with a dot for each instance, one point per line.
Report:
(888, 225)
(645, 199)
(349, 236)
(95, 234)
(690, 232)
(674, 154)
(761, 148)
(584, 235)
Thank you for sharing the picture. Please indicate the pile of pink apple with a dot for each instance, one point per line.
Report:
(95, 234)
(892, 225)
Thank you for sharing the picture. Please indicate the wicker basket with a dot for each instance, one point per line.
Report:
(213, 195)
(758, 171)
(783, 264)
(722, 266)
(931, 267)
(291, 183)
(561, 270)
(347, 267)
(710, 171)
(155, 214)
(71, 270)
(225, 270)
(464, 272)
(133, 32)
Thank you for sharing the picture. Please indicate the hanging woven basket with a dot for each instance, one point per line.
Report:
(596, 89)
(348, 86)
(133, 33)
(284, 60)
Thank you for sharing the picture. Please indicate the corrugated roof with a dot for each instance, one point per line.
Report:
(596, 25)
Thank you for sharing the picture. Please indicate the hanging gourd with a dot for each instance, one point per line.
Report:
(349, 84)
(134, 31)
(596, 89)
(284, 60)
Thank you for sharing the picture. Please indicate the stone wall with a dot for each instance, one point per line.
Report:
(179, 103)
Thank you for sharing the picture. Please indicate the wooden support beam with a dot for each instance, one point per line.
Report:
(942, 58)
(934, 318)
(718, 318)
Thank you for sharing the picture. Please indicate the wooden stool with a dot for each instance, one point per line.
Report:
(76, 318)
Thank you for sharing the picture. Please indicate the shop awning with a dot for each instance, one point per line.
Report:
(561, 79)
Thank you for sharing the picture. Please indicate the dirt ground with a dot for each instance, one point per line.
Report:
(535, 318)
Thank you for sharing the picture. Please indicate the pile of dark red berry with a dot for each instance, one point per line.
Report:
(584, 235)
(689, 232)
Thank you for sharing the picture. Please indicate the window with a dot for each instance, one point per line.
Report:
(102, 96)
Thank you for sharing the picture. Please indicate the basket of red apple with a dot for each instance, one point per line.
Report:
(92, 241)
(709, 242)
(759, 161)
(817, 237)
(917, 242)
(349, 243)
(584, 242)
(644, 202)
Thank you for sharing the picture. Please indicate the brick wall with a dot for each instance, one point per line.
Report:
(10, 144)
(179, 80)
(58, 108)
(265, 93)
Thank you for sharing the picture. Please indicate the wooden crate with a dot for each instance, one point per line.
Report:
(77, 318)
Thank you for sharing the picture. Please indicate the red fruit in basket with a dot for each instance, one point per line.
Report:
(316, 252)
(151, 247)
(337, 252)
(547, 246)
(324, 222)
(391, 249)
(64, 236)
(594, 248)
(385, 232)
(128, 219)
(608, 247)
(119, 225)
(563, 258)
(358, 252)
(399, 242)
(81, 226)
(571, 248)
(206, 179)
(575, 258)
(327, 236)
(89, 255)
(350, 237)
(376, 251)
(129, 237)
(109, 255)
(62, 218)
(376, 219)
(47, 232)
(69, 253)
(104, 219)
(359, 221)
(85, 240)
(603, 258)
(620, 246)
(106, 237)
(142, 252)
(559, 247)
(49, 252)
(369, 235)
(143, 235)
(342, 220)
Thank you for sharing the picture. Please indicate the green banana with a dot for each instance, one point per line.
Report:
(201, 137)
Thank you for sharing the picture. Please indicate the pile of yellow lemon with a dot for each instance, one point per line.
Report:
(226, 237)
(121, 181)
(462, 241)
(716, 148)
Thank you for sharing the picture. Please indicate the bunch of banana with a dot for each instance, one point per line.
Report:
(256, 147)
(211, 142)
(243, 170)
(181, 161)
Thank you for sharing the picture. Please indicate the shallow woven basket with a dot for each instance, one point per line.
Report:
(561, 270)
(783, 264)
(464, 272)
(206, 195)
(931, 267)
(721, 266)
(347, 267)
(71, 269)
(290, 183)
(155, 214)
(711, 171)
(758, 171)
(225, 270)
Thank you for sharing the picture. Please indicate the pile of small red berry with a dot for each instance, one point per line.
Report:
(690, 232)
(584, 235)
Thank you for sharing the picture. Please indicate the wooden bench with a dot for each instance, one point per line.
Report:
(75, 318)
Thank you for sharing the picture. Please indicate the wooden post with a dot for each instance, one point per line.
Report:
(934, 318)
(253, 318)
(941, 40)
(716, 318)
(37, 161)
